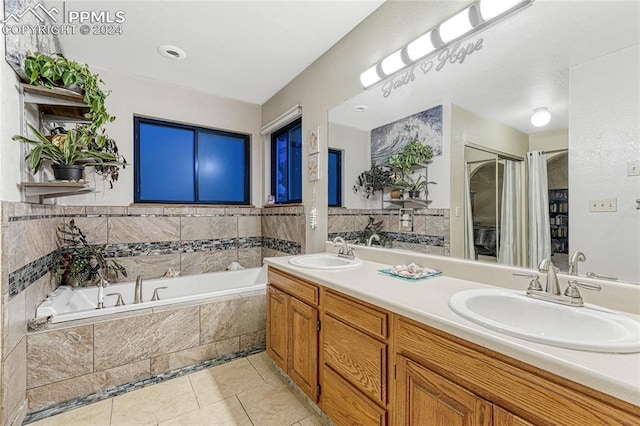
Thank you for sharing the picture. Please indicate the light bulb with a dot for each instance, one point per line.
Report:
(370, 76)
(541, 117)
(393, 63)
(456, 26)
(489, 9)
(420, 47)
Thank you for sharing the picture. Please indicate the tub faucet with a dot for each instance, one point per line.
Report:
(573, 263)
(137, 297)
(371, 238)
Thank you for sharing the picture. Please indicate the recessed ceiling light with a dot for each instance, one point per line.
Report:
(361, 108)
(171, 52)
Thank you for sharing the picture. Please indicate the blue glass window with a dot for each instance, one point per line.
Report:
(335, 178)
(176, 163)
(286, 163)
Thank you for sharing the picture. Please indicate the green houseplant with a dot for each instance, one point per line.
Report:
(80, 263)
(65, 151)
(373, 180)
(413, 153)
(58, 71)
(414, 185)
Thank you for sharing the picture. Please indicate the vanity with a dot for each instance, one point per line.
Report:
(376, 350)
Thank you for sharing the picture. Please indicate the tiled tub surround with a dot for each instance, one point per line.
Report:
(148, 241)
(430, 232)
(79, 358)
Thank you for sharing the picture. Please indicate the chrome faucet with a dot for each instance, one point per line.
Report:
(547, 266)
(137, 295)
(573, 263)
(371, 238)
(344, 250)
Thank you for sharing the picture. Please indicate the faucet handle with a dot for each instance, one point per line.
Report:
(155, 296)
(573, 292)
(588, 286)
(535, 280)
(119, 302)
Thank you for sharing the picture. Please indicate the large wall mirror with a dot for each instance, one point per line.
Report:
(581, 61)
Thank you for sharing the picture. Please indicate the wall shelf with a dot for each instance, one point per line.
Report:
(54, 189)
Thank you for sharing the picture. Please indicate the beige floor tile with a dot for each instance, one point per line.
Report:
(265, 367)
(220, 382)
(155, 403)
(227, 412)
(97, 414)
(273, 404)
(311, 421)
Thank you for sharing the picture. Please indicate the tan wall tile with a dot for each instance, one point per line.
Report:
(232, 318)
(14, 324)
(250, 257)
(253, 340)
(148, 266)
(58, 355)
(341, 224)
(207, 261)
(87, 384)
(209, 228)
(145, 210)
(132, 339)
(194, 356)
(249, 226)
(143, 229)
(106, 210)
(94, 228)
(14, 379)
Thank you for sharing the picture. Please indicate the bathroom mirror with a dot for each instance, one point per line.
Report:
(578, 59)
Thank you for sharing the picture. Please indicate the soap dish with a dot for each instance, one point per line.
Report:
(412, 274)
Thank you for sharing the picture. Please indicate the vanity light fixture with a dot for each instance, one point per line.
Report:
(541, 117)
(171, 52)
(479, 15)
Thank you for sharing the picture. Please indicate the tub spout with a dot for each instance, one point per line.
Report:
(137, 297)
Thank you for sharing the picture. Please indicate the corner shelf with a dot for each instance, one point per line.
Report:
(54, 189)
(422, 203)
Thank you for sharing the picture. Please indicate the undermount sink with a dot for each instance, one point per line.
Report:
(588, 328)
(324, 261)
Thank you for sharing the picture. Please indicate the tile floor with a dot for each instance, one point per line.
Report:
(247, 391)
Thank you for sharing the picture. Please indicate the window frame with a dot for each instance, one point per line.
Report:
(339, 185)
(274, 156)
(137, 120)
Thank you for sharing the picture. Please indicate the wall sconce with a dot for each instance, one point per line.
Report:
(541, 117)
(479, 15)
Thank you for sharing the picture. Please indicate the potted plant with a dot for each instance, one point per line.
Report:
(57, 71)
(412, 154)
(414, 186)
(80, 263)
(67, 152)
(375, 179)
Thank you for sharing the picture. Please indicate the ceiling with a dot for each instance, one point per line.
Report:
(523, 64)
(244, 50)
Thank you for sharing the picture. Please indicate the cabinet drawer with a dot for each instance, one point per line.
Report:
(357, 314)
(345, 405)
(297, 288)
(359, 358)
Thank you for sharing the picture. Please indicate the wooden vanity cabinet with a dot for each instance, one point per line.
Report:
(441, 377)
(292, 329)
(354, 361)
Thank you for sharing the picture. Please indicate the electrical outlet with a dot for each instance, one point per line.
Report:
(633, 168)
(606, 205)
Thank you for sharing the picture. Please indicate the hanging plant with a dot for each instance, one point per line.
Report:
(373, 180)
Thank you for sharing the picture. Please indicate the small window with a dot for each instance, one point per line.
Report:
(177, 163)
(335, 178)
(286, 163)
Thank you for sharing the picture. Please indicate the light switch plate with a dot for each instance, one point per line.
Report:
(606, 205)
(633, 168)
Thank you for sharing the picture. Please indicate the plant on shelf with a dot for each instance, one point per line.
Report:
(413, 153)
(80, 263)
(64, 151)
(373, 228)
(373, 180)
(414, 185)
(57, 71)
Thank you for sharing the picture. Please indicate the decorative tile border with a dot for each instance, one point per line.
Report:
(22, 278)
(401, 237)
(387, 212)
(61, 407)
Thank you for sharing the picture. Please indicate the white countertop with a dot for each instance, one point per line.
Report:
(426, 301)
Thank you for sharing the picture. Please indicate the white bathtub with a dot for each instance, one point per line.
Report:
(67, 303)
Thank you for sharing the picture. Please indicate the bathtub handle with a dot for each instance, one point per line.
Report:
(119, 302)
(155, 296)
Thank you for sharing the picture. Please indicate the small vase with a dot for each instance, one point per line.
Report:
(71, 173)
(414, 194)
(396, 194)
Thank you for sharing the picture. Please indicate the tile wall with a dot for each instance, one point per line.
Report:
(430, 232)
(146, 240)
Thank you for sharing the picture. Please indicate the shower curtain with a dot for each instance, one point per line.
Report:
(469, 241)
(539, 230)
(510, 213)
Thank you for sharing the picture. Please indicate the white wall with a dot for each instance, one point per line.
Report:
(549, 141)
(603, 137)
(10, 151)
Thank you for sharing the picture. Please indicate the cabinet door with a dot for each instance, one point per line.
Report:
(425, 398)
(505, 418)
(277, 326)
(303, 345)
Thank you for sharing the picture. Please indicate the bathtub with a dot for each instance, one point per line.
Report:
(67, 303)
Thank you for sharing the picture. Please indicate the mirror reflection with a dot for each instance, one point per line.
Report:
(506, 188)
